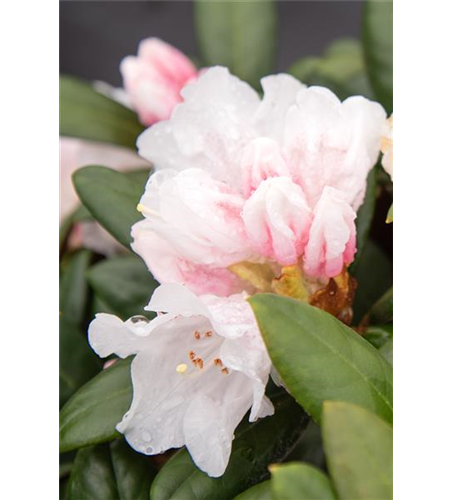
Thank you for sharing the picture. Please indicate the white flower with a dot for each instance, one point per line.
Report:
(243, 178)
(198, 369)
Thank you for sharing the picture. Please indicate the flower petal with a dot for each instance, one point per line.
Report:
(261, 160)
(108, 334)
(210, 422)
(280, 92)
(332, 238)
(277, 220)
(168, 266)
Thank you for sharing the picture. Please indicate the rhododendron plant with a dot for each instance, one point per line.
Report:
(251, 298)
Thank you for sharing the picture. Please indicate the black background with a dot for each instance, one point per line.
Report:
(96, 35)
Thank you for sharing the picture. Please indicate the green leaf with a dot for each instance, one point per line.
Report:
(261, 491)
(386, 351)
(255, 446)
(87, 114)
(373, 274)
(320, 358)
(124, 284)
(238, 35)
(407, 46)
(378, 335)
(111, 197)
(300, 481)
(365, 215)
(74, 287)
(63, 488)
(134, 472)
(390, 216)
(110, 472)
(91, 415)
(342, 69)
(78, 363)
(92, 477)
(358, 446)
(382, 311)
(309, 448)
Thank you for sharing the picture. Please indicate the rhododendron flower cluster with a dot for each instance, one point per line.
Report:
(249, 195)
(244, 179)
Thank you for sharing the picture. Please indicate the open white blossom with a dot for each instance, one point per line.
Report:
(198, 369)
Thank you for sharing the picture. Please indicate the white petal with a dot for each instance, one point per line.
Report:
(108, 334)
(208, 130)
(279, 94)
(210, 422)
(160, 393)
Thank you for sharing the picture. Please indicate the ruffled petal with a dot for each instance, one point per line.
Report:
(277, 220)
(197, 215)
(209, 129)
(280, 92)
(168, 266)
(261, 160)
(332, 238)
(327, 143)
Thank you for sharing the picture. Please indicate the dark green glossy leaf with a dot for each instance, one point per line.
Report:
(300, 481)
(254, 448)
(74, 287)
(78, 363)
(63, 488)
(408, 46)
(111, 197)
(358, 446)
(238, 35)
(110, 472)
(261, 491)
(373, 274)
(319, 358)
(133, 471)
(382, 311)
(91, 415)
(342, 69)
(124, 284)
(390, 216)
(93, 477)
(309, 448)
(65, 469)
(87, 114)
(365, 216)
(378, 335)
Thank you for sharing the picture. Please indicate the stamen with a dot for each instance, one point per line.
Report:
(146, 210)
(182, 368)
(225, 371)
(208, 334)
(199, 363)
(217, 362)
(197, 335)
(192, 355)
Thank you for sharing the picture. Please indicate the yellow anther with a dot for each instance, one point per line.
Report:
(182, 368)
(141, 207)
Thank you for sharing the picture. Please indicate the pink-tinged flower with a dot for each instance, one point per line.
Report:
(332, 236)
(269, 163)
(197, 370)
(277, 220)
(154, 78)
(77, 153)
